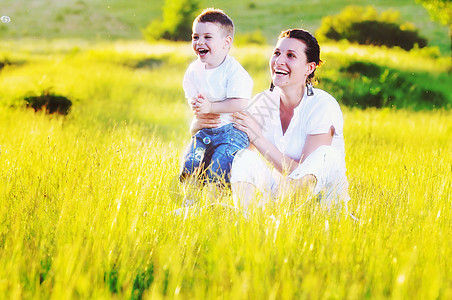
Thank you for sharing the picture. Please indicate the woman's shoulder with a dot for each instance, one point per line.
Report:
(322, 102)
(272, 93)
(267, 96)
(266, 101)
(322, 97)
(323, 109)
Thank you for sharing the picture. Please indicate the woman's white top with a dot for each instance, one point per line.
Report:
(314, 115)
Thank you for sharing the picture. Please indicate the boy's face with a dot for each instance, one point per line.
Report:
(210, 43)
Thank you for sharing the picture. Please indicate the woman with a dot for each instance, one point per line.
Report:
(294, 127)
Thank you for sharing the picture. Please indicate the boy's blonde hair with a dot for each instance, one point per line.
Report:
(219, 17)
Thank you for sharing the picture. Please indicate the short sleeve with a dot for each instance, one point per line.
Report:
(325, 113)
(188, 83)
(240, 84)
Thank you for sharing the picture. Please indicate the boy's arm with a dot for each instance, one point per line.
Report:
(229, 105)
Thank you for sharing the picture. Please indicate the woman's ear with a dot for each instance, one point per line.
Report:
(311, 68)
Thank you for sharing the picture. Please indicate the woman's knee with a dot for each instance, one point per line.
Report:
(331, 155)
(326, 164)
(244, 165)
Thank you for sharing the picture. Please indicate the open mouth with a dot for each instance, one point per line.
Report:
(202, 52)
(281, 72)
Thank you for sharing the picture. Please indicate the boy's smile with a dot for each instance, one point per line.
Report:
(202, 52)
(210, 43)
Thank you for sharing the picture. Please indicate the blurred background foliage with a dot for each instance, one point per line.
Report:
(366, 26)
(123, 19)
(361, 77)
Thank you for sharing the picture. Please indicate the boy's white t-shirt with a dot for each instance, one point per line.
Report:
(228, 80)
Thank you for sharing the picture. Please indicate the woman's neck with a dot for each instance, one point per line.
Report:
(291, 97)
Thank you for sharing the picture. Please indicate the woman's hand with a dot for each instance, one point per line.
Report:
(204, 121)
(246, 123)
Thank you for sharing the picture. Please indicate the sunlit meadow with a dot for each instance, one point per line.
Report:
(88, 200)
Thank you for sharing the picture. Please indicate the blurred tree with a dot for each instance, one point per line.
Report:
(441, 11)
(365, 26)
(178, 16)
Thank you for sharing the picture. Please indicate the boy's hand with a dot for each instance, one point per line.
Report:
(201, 105)
(192, 102)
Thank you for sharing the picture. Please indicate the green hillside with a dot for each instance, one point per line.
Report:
(122, 19)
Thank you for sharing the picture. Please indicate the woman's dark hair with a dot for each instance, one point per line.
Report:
(312, 46)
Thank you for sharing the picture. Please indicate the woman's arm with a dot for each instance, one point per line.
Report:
(284, 164)
(314, 141)
(201, 121)
(246, 123)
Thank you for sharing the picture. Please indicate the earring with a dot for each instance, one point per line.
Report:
(310, 89)
(272, 86)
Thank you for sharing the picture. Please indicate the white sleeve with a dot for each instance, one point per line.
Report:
(325, 114)
(188, 84)
(240, 84)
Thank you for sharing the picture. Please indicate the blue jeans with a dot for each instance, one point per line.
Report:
(213, 150)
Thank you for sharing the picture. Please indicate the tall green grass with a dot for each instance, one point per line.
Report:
(88, 201)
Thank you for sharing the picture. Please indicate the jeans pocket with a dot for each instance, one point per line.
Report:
(239, 139)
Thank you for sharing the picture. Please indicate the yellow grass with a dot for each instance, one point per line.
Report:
(87, 201)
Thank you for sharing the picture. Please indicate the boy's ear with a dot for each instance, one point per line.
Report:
(228, 41)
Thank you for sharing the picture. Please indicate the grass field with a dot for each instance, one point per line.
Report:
(87, 200)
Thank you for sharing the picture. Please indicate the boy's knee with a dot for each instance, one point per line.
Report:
(192, 163)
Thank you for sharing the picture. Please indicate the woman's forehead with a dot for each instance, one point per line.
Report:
(290, 44)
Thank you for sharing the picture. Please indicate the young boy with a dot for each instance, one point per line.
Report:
(215, 83)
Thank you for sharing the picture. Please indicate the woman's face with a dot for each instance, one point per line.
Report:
(288, 64)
